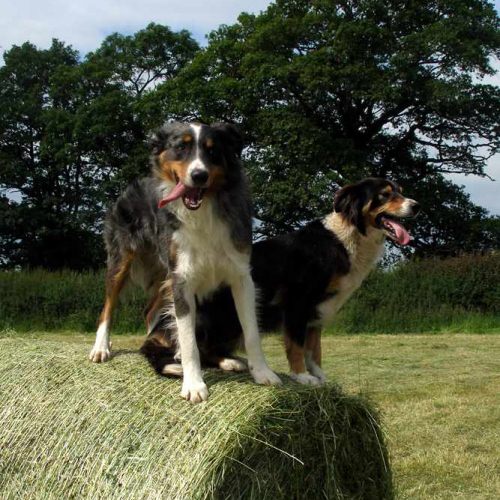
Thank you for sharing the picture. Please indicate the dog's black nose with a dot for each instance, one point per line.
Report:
(199, 177)
(415, 208)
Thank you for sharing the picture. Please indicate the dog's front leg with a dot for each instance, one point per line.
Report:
(244, 299)
(193, 387)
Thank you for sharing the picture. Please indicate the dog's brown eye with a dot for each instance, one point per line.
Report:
(181, 146)
(384, 195)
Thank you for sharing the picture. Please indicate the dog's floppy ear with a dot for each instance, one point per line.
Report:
(158, 139)
(233, 134)
(349, 201)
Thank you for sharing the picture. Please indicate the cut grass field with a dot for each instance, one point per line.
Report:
(439, 396)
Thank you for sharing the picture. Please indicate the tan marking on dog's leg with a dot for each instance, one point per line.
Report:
(159, 304)
(313, 344)
(295, 355)
(154, 306)
(114, 285)
(159, 337)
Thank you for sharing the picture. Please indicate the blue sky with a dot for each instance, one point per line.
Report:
(85, 23)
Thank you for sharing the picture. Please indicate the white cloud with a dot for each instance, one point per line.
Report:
(483, 191)
(86, 23)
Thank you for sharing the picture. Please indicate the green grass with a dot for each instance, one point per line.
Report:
(438, 395)
(59, 301)
(440, 403)
(359, 318)
(459, 295)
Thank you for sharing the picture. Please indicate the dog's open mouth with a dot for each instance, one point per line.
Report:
(394, 230)
(191, 197)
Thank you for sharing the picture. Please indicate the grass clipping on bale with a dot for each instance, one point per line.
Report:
(72, 429)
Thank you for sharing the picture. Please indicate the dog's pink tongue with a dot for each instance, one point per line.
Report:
(177, 192)
(401, 233)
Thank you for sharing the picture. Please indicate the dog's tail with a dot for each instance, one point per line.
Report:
(161, 347)
(161, 350)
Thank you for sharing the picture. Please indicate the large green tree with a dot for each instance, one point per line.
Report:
(328, 92)
(72, 134)
(43, 224)
(331, 91)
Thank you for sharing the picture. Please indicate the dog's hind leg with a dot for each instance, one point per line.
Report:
(156, 312)
(313, 354)
(296, 354)
(160, 349)
(116, 277)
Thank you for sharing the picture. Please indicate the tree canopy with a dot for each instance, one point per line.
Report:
(330, 92)
(327, 92)
(72, 134)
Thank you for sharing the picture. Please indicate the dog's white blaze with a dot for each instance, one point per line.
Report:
(196, 164)
(197, 132)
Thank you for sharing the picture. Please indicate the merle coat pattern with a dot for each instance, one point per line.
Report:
(181, 234)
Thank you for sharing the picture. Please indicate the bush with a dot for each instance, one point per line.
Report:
(67, 300)
(459, 294)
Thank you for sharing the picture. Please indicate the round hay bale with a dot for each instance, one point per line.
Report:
(77, 430)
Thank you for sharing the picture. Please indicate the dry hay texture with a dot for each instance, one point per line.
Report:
(75, 430)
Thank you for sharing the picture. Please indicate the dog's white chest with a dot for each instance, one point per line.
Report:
(327, 309)
(206, 256)
(361, 265)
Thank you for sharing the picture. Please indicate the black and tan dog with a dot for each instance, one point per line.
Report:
(187, 229)
(303, 279)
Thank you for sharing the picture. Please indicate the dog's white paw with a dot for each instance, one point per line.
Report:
(305, 379)
(265, 376)
(233, 365)
(196, 392)
(100, 354)
(319, 374)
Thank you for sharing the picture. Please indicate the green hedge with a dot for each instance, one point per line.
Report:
(41, 300)
(461, 294)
